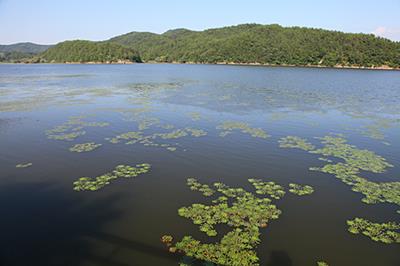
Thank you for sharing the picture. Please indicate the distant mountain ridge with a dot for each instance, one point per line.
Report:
(25, 47)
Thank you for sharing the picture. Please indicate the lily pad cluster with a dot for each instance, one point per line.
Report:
(300, 190)
(197, 186)
(382, 232)
(24, 165)
(126, 171)
(175, 134)
(67, 136)
(85, 147)
(167, 239)
(148, 122)
(272, 189)
(354, 161)
(72, 129)
(194, 132)
(237, 208)
(151, 140)
(295, 142)
(229, 126)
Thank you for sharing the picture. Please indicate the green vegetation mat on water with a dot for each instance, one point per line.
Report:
(244, 212)
(121, 171)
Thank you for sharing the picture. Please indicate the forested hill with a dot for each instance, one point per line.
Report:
(24, 47)
(86, 51)
(243, 44)
(20, 51)
(264, 44)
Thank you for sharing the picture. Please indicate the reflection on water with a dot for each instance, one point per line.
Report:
(221, 123)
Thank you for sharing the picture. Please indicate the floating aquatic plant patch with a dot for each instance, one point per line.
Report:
(176, 134)
(322, 263)
(237, 208)
(194, 132)
(23, 165)
(85, 147)
(152, 140)
(126, 171)
(382, 232)
(148, 122)
(67, 136)
(268, 188)
(229, 126)
(203, 188)
(300, 190)
(295, 142)
(167, 239)
(355, 160)
(72, 129)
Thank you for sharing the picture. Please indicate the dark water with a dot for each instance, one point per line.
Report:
(44, 222)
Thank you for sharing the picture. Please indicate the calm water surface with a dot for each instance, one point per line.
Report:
(45, 222)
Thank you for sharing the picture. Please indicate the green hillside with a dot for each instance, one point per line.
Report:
(21, 52)
(86, 51)
(24, 47)
(265, 44)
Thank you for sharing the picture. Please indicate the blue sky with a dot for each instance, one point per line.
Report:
(52, 21)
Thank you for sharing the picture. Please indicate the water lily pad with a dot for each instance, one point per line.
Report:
(300, 190)
(229, 126)
(72, 129)
(85, 147)
(295, 142)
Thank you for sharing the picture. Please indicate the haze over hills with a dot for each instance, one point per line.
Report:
(244, 44)
(21, 52)
(25, 47)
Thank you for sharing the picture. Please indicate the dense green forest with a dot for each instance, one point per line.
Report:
(265, 44)
(247, 43)
(87, 51)
(15, 57)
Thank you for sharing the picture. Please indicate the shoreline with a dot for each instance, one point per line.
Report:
(283, 65)
(216, 64)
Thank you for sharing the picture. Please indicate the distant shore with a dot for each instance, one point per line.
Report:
(282, 65)
(313, 66)
(217, 63)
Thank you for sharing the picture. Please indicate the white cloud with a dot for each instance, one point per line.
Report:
(390, 33)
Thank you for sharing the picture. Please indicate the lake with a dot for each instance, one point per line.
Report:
(214, 123)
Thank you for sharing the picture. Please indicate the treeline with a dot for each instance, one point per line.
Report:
(264, 44)
(24, 47)
(86, 51)
(15, 57)
(247, 43)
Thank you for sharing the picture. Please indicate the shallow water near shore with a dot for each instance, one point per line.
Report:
(216, 123)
